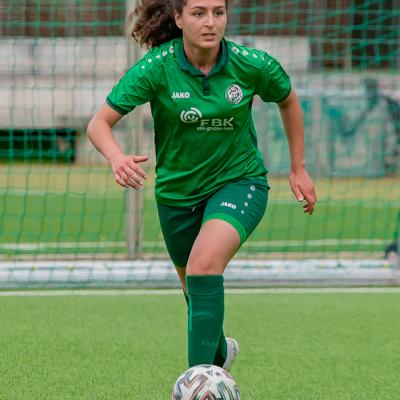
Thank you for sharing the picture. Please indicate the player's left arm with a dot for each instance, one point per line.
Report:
(300, 182)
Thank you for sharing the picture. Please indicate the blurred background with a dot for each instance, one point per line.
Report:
(64, 221)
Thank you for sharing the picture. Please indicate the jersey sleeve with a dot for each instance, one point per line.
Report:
(274, 83)
(133, 89)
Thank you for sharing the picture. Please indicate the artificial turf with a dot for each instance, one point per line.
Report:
(293, 346)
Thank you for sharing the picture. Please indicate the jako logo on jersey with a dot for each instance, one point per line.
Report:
(234, 94)
(192, 116)
(230, 205)
(180, 95)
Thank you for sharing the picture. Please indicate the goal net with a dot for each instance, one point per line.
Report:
(64, 221)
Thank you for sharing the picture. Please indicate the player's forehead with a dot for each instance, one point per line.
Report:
(207, 4)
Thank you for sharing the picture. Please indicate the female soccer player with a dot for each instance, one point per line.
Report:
(211, 186)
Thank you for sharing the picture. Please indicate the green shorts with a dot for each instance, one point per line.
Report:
(241, 203)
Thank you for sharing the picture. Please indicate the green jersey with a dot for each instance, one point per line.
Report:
(204, 132)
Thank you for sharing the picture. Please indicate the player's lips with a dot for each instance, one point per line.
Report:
(209, 37)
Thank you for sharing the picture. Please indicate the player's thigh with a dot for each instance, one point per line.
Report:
(241, 204)
(230, 216)
(180, 227)
(216, 243)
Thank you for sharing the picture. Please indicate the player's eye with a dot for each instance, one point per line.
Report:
(198, 14)
(219, 13)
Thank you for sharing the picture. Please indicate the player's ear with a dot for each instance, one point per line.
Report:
(178, 19)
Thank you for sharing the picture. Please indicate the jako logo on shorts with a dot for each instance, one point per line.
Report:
(230, 205)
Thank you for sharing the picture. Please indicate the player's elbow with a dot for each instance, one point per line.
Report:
(104, 119)
(91, 128)
(95, 125)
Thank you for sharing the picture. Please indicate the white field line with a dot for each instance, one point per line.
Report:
(168, 292)
(259, 244)
(59, 245)
(318, 242)
(42, 193)
(374, 203)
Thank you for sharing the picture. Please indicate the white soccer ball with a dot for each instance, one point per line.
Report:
(207, 382)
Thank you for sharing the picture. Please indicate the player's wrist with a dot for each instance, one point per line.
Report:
(114, 155)
(297, 166)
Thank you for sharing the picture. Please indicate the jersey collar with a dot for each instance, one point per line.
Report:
(187, 66)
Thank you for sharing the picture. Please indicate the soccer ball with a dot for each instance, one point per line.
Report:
(205, 382)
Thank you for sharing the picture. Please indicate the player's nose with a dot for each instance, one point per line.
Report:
(210, 19)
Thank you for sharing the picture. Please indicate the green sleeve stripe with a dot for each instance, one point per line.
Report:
(115, 107)
(232, 221)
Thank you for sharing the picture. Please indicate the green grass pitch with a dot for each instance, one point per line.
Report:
(293, 346)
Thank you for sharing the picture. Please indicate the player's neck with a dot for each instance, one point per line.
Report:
(202, 59)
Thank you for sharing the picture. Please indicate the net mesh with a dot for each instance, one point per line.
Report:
(58, 201)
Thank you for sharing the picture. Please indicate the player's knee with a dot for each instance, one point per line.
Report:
(203, 265)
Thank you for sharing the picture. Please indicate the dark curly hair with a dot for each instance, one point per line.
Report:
(154, 21)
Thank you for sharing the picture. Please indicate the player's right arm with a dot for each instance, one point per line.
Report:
(126, 170)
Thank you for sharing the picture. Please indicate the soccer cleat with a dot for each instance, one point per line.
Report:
(232, 350)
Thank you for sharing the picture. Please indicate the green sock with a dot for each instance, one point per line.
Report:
(205, 317)
(220, 355)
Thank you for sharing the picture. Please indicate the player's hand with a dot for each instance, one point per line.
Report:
(126, 170)
(303, 189)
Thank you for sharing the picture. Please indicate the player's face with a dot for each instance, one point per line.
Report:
(203, 22)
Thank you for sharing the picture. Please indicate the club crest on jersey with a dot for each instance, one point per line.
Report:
(191, 116)
(234, 94)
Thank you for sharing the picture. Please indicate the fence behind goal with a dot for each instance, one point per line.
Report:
(63, 220)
